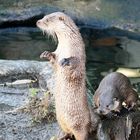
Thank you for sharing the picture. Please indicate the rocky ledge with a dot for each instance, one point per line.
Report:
(96, 13)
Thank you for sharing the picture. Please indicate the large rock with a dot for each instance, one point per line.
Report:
(96, 13)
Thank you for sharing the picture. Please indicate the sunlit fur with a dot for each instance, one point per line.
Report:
(66, 32)
(72, 108)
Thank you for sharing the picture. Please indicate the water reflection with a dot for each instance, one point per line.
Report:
(23, 43)
(107, 50)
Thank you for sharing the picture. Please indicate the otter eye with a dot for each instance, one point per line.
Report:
(61, 18)
(107, 106)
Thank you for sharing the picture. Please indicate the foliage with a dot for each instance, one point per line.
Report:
(41, 109)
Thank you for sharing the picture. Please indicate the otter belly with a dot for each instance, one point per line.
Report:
(71, 103)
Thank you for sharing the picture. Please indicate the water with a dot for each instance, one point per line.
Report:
(22, 43)
(107, 50)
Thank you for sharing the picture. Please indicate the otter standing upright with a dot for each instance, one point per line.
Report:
(72, 109)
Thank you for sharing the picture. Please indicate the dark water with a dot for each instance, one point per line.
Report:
(107, 50)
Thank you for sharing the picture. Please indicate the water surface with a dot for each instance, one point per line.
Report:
(107, 50)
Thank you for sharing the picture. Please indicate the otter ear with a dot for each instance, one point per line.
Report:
(61, 18)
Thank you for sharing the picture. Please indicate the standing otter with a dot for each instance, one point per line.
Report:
(72, 108)
(113, 90)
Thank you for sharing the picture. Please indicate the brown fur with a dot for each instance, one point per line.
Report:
(72, 108)
(114, 89)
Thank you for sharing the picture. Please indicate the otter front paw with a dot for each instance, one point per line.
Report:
(65, 62)
(47, 55)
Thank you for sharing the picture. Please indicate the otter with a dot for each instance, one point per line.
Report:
(113, 90)
(72, 109)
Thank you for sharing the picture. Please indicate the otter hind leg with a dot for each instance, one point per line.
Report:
(67, 137)
(49, 56)
(81, 135)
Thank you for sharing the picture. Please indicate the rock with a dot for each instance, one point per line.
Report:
(1, 137)
(47, 79)
(20, 127)
(97, 13)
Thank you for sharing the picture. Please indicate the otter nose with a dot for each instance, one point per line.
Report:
(101, 111)
(38, 22)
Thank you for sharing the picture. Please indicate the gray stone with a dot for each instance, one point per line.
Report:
(95, 13)
(1, 138)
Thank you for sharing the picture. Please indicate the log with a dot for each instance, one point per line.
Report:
(126, 127)
(120, 128)
(20, 67)
(12, 70)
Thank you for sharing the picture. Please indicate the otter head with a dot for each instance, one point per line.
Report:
(56, 24)
(108, 102)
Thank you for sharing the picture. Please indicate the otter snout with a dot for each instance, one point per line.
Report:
(102, 111)
(38, 22)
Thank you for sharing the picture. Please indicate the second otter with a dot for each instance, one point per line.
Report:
(113, 90)
(72, 108)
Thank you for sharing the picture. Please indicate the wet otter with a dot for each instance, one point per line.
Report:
(113, 90)
(72, 108)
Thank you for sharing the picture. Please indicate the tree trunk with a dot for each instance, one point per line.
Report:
(121, 128)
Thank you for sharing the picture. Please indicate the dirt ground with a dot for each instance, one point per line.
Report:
(17, 125)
